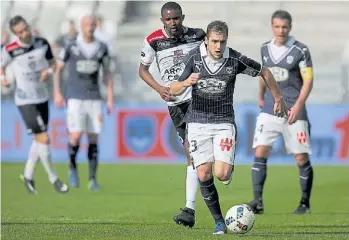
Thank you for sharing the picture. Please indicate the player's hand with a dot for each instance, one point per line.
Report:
(192, 79)
(165, 93)
(59, 100)
(280, 108)
(293, 114)
(44, 75)
(4, 81)
(110, 107)
(260, 103)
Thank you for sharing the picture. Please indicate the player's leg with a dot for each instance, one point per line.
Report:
(297, 141)
(200, 138)
(94, 128)
(187, 215)
(268, 129)
(76, 123)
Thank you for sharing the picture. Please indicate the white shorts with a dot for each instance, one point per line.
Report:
(84, 116)
(212, 142)
(269, 128)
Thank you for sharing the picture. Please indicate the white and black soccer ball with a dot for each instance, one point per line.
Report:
(240, 219)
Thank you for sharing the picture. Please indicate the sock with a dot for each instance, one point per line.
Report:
(259, 174)
(45, 157)
(306, 181)
(31, 162)
(210, 195)
(92, 160)
(73, 150)
(192, 183)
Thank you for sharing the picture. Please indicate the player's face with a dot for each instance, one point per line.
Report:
(172, 20)
(281, 29)
(216, 43)
(88, 26)
(23, 32)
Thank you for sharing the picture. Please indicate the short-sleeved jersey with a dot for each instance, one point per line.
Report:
(287, 72)
(28, 61)
(169, 52)
(83, 61)
(212, 96)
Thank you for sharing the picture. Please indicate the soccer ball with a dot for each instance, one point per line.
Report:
(240, 218)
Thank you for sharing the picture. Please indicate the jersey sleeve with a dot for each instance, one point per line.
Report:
(248, 66)
(188, 68)
(106, 60)
(64, 54)
(5, 57)
(147, 54)
(306, 64)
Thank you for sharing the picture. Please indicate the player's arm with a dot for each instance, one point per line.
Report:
(187, 78)
(147, 57)
(5, 61)
(109, 80)
(62, 58)
(261, 93)
(306, 70)
(253, 68)
(51, 62)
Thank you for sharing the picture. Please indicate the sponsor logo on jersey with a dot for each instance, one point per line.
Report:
(172, 73)
(17, 52)
(211, 85)
(87, 66)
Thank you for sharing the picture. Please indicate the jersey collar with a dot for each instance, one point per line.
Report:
(25, 45)
(291, 40)
(203, 51)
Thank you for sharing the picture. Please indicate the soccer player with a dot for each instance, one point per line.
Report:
(84, 104)
(168, 45)
(290, 62)
(32, 63)
(211, 70)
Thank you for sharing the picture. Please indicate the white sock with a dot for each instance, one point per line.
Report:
(31, 162)
(45, 157)
(192, 184)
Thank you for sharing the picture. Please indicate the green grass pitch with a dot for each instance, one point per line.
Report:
(138, 202)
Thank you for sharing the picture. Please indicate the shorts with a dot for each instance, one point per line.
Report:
(212, 142)
(35, 117)
(84, 116)
(296, 136)
(177, 114)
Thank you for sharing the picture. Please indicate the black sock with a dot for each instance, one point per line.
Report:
(306, 181)
(210, 195)
(92, 160)
(73, 150)
(259, 174)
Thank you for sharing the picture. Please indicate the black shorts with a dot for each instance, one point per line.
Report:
(35, 117)
(177, 114)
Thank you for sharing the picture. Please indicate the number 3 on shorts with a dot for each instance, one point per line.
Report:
(193, 146)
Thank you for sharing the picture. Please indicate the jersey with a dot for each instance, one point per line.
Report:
(84, 61)
(168, 53)
(212, 96)
(28, 61)
(287, 71)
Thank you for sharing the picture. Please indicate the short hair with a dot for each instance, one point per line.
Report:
(218, 27)
(282, 14)
(15, 20)
(171, 6)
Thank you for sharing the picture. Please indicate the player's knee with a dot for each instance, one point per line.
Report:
(42, 138)
(205, 172)
(263, 151)
(92, 138)
(223, 174)
(75, 137)
(302, 158)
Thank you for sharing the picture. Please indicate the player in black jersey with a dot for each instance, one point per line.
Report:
(211, 70)
(168, 46)
(290, 62)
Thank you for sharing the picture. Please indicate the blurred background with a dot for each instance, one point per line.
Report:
(140, 129)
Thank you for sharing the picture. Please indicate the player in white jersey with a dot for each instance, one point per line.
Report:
(32, 63)
(168, 46)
